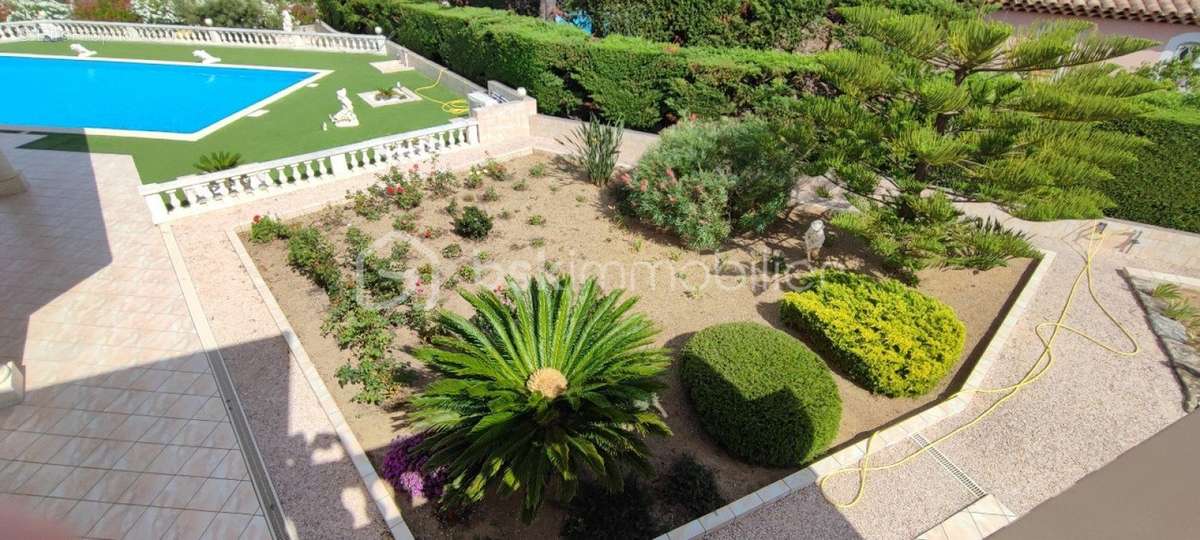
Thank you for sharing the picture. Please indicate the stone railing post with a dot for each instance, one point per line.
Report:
(11, 180)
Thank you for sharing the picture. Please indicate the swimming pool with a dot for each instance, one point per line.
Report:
(135, 98)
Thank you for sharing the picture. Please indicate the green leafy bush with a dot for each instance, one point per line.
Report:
(761, 393)
(232, 14)
(545, 385)
(473, 223)
(265, 229)
(706, 180)
(887, 337)
(313, 255)
(647, 85)
(692, 486)
(760, 24)
(104, 10)
(1163, 188)
(597, 513)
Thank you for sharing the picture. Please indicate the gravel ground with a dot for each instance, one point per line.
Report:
(1088, 409)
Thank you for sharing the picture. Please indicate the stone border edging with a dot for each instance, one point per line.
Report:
(850, 455)
(375, 485)
(1171, 334)
(264, 489)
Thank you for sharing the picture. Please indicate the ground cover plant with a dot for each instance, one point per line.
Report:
(886, 336)
(292, 127)
(761, 393)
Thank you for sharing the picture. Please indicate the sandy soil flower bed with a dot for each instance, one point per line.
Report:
(681, 291)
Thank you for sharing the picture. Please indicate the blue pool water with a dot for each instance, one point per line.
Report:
(73, 94)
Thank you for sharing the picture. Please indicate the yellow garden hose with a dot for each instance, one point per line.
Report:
(1039, 368)
(456, 107)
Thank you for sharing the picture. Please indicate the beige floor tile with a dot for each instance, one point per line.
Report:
(203, 462)
(195, 432)
(107, 454)
(179, 492)
(117, 521)
(164, 430)
(55, 510)
(133, 428)
(103, 424)
(15, 443)
(44, 448)
(222, 437)
(78, 483)
(84, 516)
(139, 457)
(15, 474)
(44, 480)
(190, 525)
(243, 500)
(256, 529)
(212, 495)
(146, 489)
(111, 486)
(75, 451)
(153, 524)
(232, 466)
(172, 459)
(226, 527)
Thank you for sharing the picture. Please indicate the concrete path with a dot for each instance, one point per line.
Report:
(1088, 409)
(123, 433)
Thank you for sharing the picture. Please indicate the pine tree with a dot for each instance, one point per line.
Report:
(927, 105)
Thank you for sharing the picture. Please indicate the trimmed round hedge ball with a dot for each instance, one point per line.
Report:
(761, 393)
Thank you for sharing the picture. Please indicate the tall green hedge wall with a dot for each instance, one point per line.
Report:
(648, 85)
(1163, 187)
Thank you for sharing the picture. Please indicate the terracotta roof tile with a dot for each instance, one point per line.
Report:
(1169, 11)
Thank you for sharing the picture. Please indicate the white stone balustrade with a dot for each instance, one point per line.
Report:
(198, 193)
(166, 33)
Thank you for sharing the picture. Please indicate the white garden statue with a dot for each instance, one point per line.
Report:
(288, 23)
(81, 51)
(344, 117)
(814, 239)
(205, 58)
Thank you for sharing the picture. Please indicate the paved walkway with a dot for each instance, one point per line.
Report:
(1091, 407)
(123, 433)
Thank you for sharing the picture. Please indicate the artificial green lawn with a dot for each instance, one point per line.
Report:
(293, 125)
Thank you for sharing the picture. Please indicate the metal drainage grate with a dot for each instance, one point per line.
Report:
(950, 467)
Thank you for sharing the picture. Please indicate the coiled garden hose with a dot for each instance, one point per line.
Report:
(456, 107)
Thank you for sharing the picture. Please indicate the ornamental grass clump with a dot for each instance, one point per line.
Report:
(547, 384)
(886, 336)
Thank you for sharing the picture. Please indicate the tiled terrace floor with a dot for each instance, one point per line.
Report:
(122, 433)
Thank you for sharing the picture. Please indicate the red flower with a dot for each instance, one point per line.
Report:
(391, 190)
(257, 218)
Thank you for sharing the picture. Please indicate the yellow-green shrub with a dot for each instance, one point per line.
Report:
(886, 336)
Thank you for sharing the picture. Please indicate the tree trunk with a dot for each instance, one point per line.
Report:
(548, 9)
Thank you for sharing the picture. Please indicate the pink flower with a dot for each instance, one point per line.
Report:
(391, 190)
(257, 218)
(671, 174)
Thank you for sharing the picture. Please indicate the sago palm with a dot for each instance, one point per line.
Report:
(545, 385)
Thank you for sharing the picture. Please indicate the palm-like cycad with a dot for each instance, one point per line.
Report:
(544, 385)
